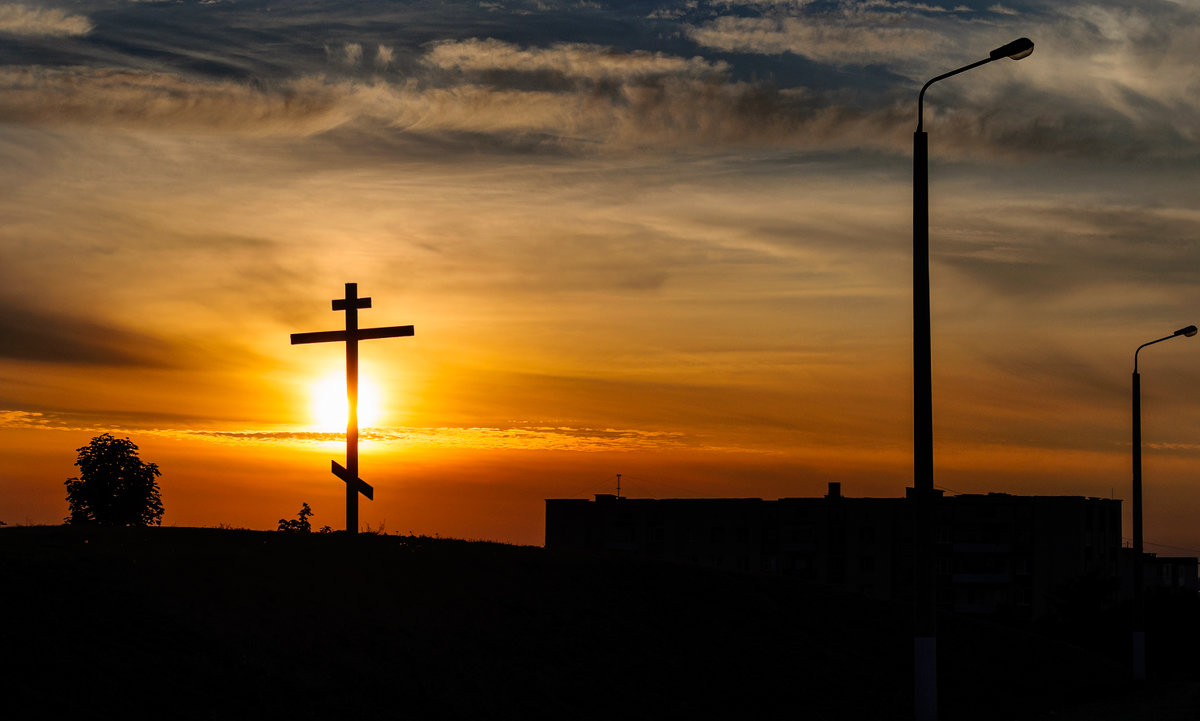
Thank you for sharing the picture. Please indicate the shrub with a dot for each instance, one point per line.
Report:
(300, 525)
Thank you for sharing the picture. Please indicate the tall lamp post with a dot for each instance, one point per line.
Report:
(1139, 581)
(924, 563)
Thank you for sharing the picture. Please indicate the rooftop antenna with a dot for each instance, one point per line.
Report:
(618, 486)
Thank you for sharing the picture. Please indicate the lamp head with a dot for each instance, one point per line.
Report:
(1186, 332)
(1017, 49)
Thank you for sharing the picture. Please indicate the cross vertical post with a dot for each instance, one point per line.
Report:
(351, 336)
(351, 303)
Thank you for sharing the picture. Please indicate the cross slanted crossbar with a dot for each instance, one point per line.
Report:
(351, 336)
(361, 486)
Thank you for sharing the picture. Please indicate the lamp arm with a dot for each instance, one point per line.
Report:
(1139, 349)
(921, 95)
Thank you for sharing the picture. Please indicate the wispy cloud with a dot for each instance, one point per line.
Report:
(612, 97)
(840, 42)
(1106, 78)
(657, 100)
(575, 60)
(1045, 251)
(1134, 61)
(23, 419)
(85, 95)
(519, 437)
(511, 438)
(28, 21)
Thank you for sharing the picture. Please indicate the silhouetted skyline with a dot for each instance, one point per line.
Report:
(668, 241)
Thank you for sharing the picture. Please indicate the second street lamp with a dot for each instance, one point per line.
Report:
(924, 563)
(1139, 581)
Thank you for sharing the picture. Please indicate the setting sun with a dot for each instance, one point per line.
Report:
(329, 407)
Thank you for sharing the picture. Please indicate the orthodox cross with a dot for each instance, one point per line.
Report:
(351, 336)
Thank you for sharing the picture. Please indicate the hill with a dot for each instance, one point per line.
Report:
(206, 623)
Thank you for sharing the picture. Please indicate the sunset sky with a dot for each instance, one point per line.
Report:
(667, 240)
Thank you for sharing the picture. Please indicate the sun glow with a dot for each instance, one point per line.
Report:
(330, 410)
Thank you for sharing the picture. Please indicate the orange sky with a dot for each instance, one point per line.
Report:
(755, 346)
(682, 254)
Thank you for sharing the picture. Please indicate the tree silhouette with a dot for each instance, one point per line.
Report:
(300, 525)
(114, 487)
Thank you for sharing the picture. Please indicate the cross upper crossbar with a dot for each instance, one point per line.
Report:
(351, 300)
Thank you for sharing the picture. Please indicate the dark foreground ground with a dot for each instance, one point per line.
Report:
(180, 623)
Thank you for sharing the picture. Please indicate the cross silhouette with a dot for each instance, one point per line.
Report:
(351, 336)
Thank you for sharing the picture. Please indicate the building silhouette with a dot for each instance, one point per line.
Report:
(1179, 573)
(999, 554)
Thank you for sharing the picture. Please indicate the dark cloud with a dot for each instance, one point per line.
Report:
(39, 336)
(1037, 253)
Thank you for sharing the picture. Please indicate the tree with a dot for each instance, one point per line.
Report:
(300, 525)
(114, 487)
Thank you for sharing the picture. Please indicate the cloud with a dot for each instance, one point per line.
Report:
(1137, 62)
(384, 56)
(602, 95)
(99, 96)
(23, 419)
(573, 60)
(530, 437)
(1040, 252)
(353, 55)
(861, 39)
(511, 438)
(1106, 78)
(620, 100)
(773, 4)
(34, 22)
(1137, 97)
(27, 335)
(913, 39)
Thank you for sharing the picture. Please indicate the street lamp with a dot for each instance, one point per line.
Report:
(1139, 592)
(925, 575)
